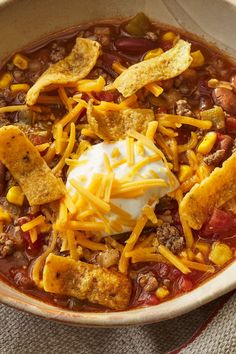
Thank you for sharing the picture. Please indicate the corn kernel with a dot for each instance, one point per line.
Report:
(15, 195)
(190, 254)
(185, 172)
(153, 53)
(207, 143)
(4, 215)
(169, 36)
(198, 59)
(20, 61)
(203, 247)
(199, 257)
(220, 253)
(5, 80)
(162, 292)
(20, 87)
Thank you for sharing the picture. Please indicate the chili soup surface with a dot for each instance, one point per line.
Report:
(117, 166)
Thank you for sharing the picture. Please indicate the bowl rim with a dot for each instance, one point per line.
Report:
(218, 285)
(208, 291)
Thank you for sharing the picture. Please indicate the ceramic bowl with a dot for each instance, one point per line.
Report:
(23, 22)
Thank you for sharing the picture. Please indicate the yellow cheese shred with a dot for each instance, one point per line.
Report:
(73, 114)
(33, 235)
(191, 144)
(130, 243)
(94, 200)
(130, 151)
(151, 129)
(201, 124)
(64, 98)
(71, 244)
(91, 245)
(85, 225)
(186, 229)
(68, 150)
(37, 266)
(199, 266)
(165, 252)
(31, 224)
(149, 212)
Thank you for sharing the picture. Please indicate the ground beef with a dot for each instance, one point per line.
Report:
(3, 120)
(2, 102)
(183, 108)
(170, 237)
(216, 158)
(103, 35)
(57, 53)
(148, 282)
(6, 245)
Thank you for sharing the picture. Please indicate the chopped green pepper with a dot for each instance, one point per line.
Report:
(215, 115)
(139, 25)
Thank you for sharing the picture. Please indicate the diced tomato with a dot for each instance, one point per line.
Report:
(219, 222)
(174, 274)
(105, 96)
(38, 140)
(183, 284)
(147, 299)
(31, 248)
(85, 97)
(231, 124)
(166, 45)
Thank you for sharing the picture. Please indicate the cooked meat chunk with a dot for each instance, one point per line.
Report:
(170, 237)
(183, 108)
(99, 285)
(148, 282)
(108, 258)
(6, 245)
(215, 158)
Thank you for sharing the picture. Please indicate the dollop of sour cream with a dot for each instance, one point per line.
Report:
(93, 162)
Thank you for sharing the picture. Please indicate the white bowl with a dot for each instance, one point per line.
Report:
(23, 22)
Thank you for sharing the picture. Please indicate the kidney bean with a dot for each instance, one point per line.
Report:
(2, 178)
(206, 102)
(134, 45)
(226, 142)
(231, 124)
(225, 98)
(203, 88)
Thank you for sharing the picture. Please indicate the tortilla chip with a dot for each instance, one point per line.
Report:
(230, 205)
(214, 191)
(74, 67)
(65, 276)
(166, 66)
(113, 125)
(28, 168)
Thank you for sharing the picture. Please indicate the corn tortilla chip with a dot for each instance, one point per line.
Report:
(74, 67)
(214, 191)
(166, 66)
(113, 125)
(65, 276)
(28, 168)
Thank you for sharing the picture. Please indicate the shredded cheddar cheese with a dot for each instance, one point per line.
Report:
(31, 224)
